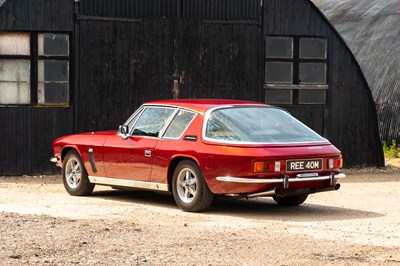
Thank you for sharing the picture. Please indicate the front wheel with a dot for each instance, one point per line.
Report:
(74, 175)
(189, 188)
(291, 200)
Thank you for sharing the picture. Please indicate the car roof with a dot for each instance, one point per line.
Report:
(202, 105)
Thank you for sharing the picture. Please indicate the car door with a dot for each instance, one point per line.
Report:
(132, 157)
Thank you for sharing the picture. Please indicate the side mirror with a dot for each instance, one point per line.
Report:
(124, 130)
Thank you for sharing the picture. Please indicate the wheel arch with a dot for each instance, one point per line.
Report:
(67, 149)
(172, 165)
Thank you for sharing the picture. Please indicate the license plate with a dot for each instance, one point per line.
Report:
(303, 165)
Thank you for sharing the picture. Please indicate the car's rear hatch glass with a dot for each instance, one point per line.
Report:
(257, 125)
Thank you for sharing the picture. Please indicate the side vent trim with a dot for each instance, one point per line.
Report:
(92, 161)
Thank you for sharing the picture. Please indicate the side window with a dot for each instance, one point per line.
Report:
(179, 124)
(151, 121)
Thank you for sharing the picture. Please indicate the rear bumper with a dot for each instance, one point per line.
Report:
(285, 180)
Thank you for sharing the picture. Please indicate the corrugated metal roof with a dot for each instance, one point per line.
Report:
(371, 29)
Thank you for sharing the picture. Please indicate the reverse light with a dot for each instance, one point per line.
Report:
(335, 163)
(266, 166)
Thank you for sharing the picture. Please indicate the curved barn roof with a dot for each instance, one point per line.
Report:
(371, 29)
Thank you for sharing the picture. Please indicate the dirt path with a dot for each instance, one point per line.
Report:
(42, 224)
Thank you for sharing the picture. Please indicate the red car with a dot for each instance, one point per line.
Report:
(200, 148)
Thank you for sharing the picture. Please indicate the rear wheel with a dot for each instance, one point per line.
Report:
(75, 177)
(291, 200)
(189, 188)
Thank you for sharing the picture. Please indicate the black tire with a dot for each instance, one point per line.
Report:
(291, 200)
(74, 175)
(189, 188)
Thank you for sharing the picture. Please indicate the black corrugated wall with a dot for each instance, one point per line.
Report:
(129, 55)
(26, 132)
(126, 52)
(216, 51)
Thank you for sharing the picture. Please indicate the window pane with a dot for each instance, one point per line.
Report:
(14, 44)
(14, 70)
(314, 73)
(278, 47)
(14, 93)
(179, 124)
(257, 125)
(312, 96)
(53, 93)
(14, 82)
(53, 85)
(132, 122)
(278, 72)
(53, 44)
(52, 70)
(278, 96)
(152, 121)
(313, 48)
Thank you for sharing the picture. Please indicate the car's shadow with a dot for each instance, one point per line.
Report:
(260, 208)
(267, 209)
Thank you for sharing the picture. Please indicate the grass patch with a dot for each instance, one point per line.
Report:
(391, 150)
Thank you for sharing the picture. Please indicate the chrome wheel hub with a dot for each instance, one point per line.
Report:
(187, 185)
(73, 173)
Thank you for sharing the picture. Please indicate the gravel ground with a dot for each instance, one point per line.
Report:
(356, 225)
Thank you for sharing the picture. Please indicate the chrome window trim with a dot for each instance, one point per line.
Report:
(140, 111)
(162, 131)
(209, 111)
(172, 105)
(137, 112)
(187, 126)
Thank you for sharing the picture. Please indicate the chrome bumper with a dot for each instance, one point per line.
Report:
(285, 180)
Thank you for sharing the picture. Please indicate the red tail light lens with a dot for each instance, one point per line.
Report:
(266, 166)
(335, 163)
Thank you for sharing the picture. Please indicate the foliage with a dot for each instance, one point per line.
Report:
(391, 150)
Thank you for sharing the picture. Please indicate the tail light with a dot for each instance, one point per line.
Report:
(266, 166)
(335, 163)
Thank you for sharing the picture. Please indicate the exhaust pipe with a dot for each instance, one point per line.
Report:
(269, 193)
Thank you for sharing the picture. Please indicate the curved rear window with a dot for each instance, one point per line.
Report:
(257, 124)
